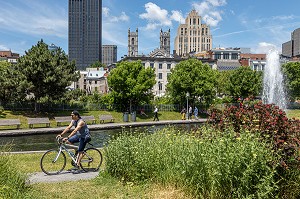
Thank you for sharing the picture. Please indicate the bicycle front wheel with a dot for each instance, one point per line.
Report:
(91, 160)
(53, 162)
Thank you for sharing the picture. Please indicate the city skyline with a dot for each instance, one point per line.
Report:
(258, 25)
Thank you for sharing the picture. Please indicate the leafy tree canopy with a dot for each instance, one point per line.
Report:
(244, 82)
(97, 64)
(291, 71)
(131, 83)
(47, 73)
(194, 77)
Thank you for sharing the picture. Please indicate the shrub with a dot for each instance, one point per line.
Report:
(12, 182)
(208, 163)
(267, 120)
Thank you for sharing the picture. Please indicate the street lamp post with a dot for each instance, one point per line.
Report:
(187, 103)
(158, 88)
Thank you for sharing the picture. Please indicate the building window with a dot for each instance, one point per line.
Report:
(95, 82)
(159, 86)
(152, 65)
(234, 56)
(168, 66)
(160, 66)
(159, 75)
(218, 56)
(226, 56)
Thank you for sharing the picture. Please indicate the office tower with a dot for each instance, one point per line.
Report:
(133, 44)
(85, 32)
(193, 36)
(292, 47)
(109, 54)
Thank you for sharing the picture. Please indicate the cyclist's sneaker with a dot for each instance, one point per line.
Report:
(74, 168)
(77, 171)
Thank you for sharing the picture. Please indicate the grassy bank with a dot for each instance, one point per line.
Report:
(104, 186)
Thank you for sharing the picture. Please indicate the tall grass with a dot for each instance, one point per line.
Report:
(208, 164)
(12, 182)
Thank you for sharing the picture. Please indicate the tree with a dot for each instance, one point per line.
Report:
(10, 80)
(244, 82)
(223, 82)
(47, 73)
(291, 71)
(131, 83)
(97, 64)
(194, 77)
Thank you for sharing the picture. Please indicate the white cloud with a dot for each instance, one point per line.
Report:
(122, 17)
(155, 16)
(264, 48)
(36, 19)
(3, 47)
(177, 16)
(105, 11)
(208, 9)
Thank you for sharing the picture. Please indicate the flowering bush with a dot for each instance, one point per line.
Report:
(268, 120)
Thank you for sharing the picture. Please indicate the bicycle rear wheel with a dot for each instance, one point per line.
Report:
(91, 160)
(52, 162)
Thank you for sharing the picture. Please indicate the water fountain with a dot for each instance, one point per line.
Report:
(273, 87)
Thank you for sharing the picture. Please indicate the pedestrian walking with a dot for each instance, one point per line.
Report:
(190, 112)
(196, 113)
(155, 114)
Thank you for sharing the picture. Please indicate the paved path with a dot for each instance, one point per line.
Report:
(63, 176)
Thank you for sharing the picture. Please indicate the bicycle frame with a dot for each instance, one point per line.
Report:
(64, 147)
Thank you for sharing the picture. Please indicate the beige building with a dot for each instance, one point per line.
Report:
(193, 36)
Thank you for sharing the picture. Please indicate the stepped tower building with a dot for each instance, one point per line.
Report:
(192, 36)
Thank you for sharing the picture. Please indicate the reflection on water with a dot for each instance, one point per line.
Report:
(99, 138)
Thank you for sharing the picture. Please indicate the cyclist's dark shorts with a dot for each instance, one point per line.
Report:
(75, 139)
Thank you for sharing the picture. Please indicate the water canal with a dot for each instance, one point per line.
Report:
(43, 142)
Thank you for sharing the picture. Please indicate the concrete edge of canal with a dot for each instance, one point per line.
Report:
(20, 132)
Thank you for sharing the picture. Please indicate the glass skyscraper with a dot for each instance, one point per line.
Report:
(85, 32)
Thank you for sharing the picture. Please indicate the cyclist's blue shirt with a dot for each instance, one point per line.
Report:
(83, 131)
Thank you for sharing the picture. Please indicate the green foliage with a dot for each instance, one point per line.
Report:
(9, 80)
(131, 84)
(223, 82)
(210, 164)
(72, 96)
(291, 71)
(244, 82)
(12, 182)
(267, 120)
(97, 64)
(194, 77)
(46, 73)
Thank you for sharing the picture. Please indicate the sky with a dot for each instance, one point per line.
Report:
(255, 24)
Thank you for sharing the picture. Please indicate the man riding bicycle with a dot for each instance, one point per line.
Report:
(80, 134)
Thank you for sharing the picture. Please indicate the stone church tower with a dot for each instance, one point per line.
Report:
(165, 42)
(132, 43)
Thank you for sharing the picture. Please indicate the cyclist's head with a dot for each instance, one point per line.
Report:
(76, 113)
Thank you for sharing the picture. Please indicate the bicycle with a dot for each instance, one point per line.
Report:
(54, 161)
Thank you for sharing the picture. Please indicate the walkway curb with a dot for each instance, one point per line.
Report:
(106, 126)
